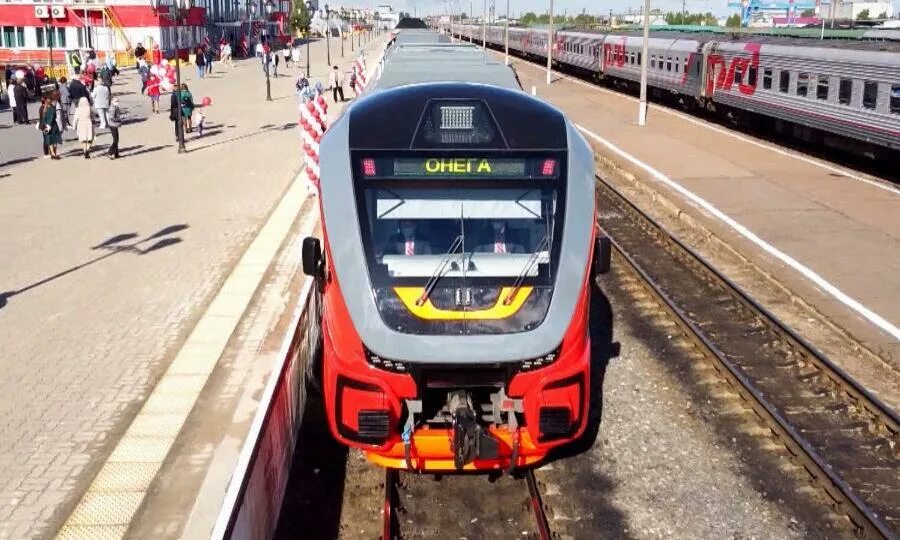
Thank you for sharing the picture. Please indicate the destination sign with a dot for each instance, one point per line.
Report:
(460, 167)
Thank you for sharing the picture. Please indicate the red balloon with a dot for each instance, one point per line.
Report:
(206, 101)
(310, 107)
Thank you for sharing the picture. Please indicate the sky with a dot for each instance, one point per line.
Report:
(425, 7)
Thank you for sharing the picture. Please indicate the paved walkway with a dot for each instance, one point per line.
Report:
(107, 267)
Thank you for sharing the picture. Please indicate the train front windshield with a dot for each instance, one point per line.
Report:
(461, 242)
(484, 233)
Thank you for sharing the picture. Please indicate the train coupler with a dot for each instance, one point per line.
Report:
(413, 407)
(468, 439)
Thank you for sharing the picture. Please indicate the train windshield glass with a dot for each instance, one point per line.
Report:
(464, 233)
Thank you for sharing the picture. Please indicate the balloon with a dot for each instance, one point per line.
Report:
(154, 70)
(206, 101)
(310, 107)
(166, 85)
(164, 62)
(20, 74)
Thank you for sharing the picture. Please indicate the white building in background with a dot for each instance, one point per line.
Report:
(386, 17)
(851, 10)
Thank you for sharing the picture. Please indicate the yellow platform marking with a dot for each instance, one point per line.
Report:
(428, 311)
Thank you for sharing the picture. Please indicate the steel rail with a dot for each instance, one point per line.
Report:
(800, 447)
(389, 510)
(537, 506)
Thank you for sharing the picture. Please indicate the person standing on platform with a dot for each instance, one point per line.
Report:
(226, 55)
(84, 126)
(50, 128)
(139, 53)
(200, 62)
(174, 105)
(153, 90)
(21, 99)
(77, 90)
(210, 58)
(75, 61)
(65, 102)
(11, 92)
(101, 97)
(114, 121)
(187, 107)
(336, 80)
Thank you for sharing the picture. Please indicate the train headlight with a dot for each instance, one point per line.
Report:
(540, 362)
(455, 122)
(394, 366)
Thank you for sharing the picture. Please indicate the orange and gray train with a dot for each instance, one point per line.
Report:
(459, 248)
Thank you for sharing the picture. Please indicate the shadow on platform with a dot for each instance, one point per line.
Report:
(121, 243)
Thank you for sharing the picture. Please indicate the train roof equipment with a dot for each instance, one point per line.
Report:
(417, 58)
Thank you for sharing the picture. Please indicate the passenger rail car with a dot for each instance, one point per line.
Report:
(459, 250)
(806, 87)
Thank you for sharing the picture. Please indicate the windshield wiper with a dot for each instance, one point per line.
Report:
(529, 264)
(440, 270)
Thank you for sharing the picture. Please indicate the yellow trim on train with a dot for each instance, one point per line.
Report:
(428, 311)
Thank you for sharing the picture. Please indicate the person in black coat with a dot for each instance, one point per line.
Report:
(139, 53)
(21, 95)
(77, 91)
(174, 107)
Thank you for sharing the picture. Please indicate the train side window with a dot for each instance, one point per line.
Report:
(767, 79)
(895, 99)
(870, 94)
(653, 61)
(845, 91)
(802, 84)
(822, 87)
(668, 63)
(677, 65)
(784, 81)
(751, 76)
(639, 58)
(738, 75)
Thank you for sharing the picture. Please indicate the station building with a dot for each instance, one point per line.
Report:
(30, 29)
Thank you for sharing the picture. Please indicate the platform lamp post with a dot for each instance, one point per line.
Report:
(484, 25)
(237, 10)
(269, 8)
(341, 23)
(506, 34)
(48, 30)
(353, 19)
(309, 8)
(642, 106)
(328, 34)
(177, 11)
(550, 46)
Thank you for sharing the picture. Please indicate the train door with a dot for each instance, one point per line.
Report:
(712, 66)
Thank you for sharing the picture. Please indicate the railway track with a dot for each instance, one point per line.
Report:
(395, 501)
(844, 437)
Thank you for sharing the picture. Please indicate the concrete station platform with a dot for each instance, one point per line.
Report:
(143, 301)
(828, 235)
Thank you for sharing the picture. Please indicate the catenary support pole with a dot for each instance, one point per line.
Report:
(642, 107)
(550, 46)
